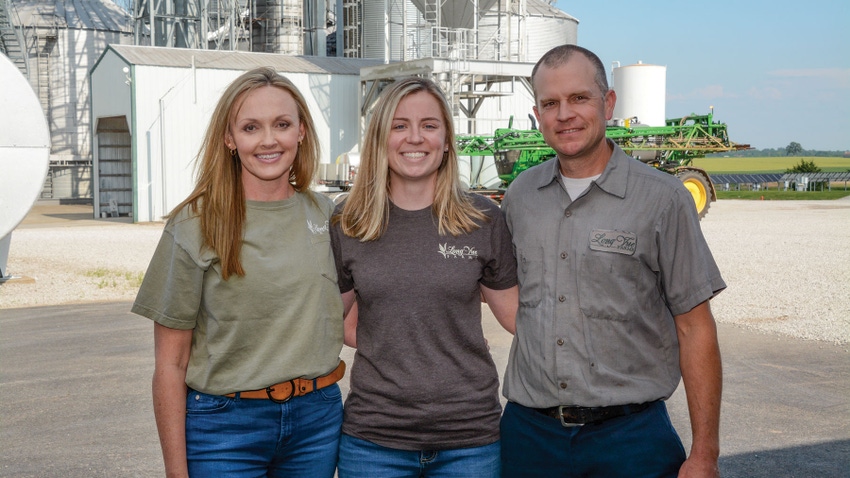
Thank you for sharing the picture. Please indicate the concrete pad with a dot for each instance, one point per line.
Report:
(75, 397)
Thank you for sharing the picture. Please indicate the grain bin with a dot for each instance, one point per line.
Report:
(525, 36)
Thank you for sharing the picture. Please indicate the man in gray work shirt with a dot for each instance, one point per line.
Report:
(615, 278)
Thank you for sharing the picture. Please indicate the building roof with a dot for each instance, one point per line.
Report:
(538, 8)
(74, 14)
(542, 8)
(239, 60)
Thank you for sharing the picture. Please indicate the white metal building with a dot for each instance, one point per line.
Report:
(151, 107)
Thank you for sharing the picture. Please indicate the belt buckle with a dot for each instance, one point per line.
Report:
(269, 391)
(565, 423)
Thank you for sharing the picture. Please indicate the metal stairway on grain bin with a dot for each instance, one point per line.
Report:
(11, 39)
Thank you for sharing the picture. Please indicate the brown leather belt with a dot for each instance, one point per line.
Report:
(577, 416)
(281, 392)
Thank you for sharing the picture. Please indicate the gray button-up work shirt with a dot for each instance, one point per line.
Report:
(600, 280)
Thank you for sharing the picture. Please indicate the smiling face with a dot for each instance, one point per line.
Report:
(572, 111)
(417, 139)
(265, 131)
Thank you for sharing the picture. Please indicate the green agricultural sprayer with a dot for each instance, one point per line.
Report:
(670, 148)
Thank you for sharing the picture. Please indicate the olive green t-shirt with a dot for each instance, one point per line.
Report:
(281, 320)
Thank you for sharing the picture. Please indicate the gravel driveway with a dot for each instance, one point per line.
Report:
(787, 263)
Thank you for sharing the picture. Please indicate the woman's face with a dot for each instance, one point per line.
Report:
(265, 131)
(417, 139)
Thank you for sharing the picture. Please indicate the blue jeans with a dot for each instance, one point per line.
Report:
(364, 459)
(643, 444)
(233, 437)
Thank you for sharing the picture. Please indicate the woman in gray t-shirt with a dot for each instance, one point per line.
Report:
(417, 253)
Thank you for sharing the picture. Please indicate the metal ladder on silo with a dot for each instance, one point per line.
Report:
(44, 43)
(12, 41)
(432, 14)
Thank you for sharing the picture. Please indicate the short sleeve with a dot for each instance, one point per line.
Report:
(344, 279)
(171, 290)
(689, 273)
(500, 271)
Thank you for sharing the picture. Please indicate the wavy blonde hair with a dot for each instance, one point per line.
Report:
(366, 211)
(219, 197)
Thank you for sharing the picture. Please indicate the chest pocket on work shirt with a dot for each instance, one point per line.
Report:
(608, 276)
(530, 274)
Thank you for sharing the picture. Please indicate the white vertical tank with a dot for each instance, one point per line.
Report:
(641, 91)
(24, 153)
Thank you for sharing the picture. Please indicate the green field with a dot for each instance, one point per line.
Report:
(767, 165)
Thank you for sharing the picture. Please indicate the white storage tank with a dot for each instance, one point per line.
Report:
(641, 91)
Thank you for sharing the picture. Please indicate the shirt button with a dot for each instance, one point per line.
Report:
(563, 385)
(560, 342)
(563, 255)
(561, 298)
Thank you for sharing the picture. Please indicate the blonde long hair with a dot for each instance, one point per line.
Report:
(366, 211)
(219, 197)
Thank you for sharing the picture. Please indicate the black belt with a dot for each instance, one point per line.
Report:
(575, 416)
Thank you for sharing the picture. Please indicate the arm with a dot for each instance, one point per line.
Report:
(172, 348)
(349, 305)
(699, 359)
(503, 304)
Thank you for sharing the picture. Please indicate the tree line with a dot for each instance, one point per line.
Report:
(793, 149)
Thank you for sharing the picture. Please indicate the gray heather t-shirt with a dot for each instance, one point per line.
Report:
(422, 376)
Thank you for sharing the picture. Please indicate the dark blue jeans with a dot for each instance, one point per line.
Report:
(259, 438)
(643, 444)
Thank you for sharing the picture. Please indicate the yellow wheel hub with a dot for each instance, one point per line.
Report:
(697, 190)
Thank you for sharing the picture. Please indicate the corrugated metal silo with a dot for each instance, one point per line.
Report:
(641, 92)
(63, 40)
(550, 26)
(374, 44)
(280, 27)
(389, 29)
(453, 14)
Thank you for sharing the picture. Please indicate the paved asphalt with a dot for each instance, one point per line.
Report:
(75, 397)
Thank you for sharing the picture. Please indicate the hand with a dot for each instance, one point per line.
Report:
(696, 468)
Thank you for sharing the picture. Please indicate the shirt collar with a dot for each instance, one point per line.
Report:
(613, 179)
(616, 175)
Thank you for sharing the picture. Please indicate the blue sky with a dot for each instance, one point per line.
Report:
(775, 71)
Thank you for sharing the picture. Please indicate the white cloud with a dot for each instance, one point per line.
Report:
(837, 77)
(710, 92)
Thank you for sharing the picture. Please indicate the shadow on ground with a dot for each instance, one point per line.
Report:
(823, 460)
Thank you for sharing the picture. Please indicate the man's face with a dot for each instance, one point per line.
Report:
(571, 109)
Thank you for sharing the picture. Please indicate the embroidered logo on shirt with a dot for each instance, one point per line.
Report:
(317, 229)
(620, 242)
(453, 252)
